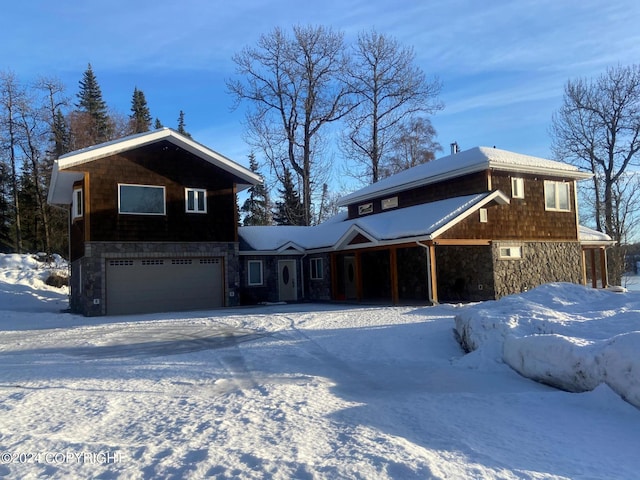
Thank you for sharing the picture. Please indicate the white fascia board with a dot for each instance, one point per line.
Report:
(350, 234)
(539, 170)
(497, 196)
(135, 141)
(284, 249)
(61, 186)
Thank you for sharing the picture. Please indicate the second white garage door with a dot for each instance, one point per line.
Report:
(163, 284)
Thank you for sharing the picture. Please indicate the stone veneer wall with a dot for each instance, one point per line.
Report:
(319, 290)
(541, 262)
(88, 273)
(464, 273)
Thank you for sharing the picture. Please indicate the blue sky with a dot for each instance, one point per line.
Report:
(503, 64)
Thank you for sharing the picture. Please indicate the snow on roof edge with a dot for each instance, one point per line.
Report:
(465, 162)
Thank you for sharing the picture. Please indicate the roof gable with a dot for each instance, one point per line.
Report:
(419, 222)
(469, 161)
(67, 169)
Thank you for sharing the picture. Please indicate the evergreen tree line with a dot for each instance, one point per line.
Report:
(38, 124)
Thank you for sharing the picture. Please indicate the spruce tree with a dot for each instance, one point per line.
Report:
(90, 102)
(290, 210)
(256, 207)
(5, 210)
(182, 125)
(158, 125)
(60, 135)
(140, 116)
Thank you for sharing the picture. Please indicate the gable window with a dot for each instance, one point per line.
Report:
(316, 269)
(141, 199)
(365, 209)
(254, 272)
(517, 187)
(388, 203)
(483, 215)
(556, 196)
(195, 200)
(77, 204)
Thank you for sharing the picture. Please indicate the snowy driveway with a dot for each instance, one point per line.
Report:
(288, 391)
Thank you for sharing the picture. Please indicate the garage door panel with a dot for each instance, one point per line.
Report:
(155, 285)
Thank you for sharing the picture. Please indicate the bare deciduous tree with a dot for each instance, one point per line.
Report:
(10, 95)
(415, 144)
(598, 129)
(389, 89)
(293, 86)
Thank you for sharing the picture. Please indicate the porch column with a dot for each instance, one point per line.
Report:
(433, 280)
(603, 267)
(594, 277)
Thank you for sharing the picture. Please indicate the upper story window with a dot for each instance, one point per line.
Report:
(556, 196)
(316, 268)
(195, 200)
(141, 199)
(366, 208)
(77, 206)
(517, 187)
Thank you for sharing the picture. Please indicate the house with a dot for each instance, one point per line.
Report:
(153, 224)
(471, 226)
(153, 227)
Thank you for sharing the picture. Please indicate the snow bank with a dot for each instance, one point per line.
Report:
(568, 336)
(31, 270)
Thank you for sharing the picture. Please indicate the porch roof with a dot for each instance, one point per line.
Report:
(419, 222)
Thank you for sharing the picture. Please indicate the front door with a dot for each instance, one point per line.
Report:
(350, 291)
(287, 284)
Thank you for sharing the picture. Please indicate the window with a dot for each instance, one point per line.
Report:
(389, 203)
(483, 215)
(195, 200)
(254, 271)
(517, 187)
(365, 208)
(556, 196)
(141, 199)
(316, 269)
(510, 252)
(77, 205)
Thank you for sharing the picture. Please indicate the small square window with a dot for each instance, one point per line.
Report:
(365, 209)
(517, 187)
(195, 200)
(316, 269)
(510, 252)
(254, 272)
(77, 206)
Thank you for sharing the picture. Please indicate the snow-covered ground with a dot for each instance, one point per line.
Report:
(316, 391)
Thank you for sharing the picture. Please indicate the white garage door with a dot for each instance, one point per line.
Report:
(163, 284)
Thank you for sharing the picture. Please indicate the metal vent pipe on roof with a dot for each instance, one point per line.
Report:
(454, 148)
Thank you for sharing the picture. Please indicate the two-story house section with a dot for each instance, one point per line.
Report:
(475, 225)
(153, 224)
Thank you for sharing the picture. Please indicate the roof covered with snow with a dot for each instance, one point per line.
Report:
(419, 222)
(462, 163)
(590, 236)
(67, 170)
